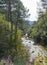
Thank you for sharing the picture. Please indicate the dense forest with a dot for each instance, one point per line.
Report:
(39, 28)
(12, 27)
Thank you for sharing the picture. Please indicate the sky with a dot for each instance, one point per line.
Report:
(32, 6)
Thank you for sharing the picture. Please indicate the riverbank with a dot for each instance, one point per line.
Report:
(37, 52)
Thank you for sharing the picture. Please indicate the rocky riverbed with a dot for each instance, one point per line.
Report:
(34, 50)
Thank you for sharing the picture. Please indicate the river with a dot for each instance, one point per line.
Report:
(34, 50)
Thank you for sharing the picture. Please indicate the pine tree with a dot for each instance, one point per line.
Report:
(15, 14)
(44, 4)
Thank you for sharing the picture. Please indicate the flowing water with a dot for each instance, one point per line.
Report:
(34, 50)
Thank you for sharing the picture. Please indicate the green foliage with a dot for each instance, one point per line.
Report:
(3, 35)
(37, 61)
(10, 29)
(39, 30)
(1, 63)
(16, 16)
(7, 47)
